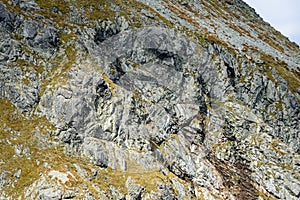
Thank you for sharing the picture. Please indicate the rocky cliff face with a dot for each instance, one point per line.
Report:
(146, 100)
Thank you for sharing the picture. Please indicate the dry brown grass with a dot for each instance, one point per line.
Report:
(282, 70)
(182, 13)
(242, 31)
(20, 130)
(271, 41)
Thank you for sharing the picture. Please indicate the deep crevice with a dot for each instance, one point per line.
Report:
(169, 58)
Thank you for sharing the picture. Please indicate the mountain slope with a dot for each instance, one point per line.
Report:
(146, 100)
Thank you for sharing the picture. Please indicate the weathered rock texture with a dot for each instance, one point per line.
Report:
(146, 100)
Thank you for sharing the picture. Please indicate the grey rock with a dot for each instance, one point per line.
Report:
(76, 15)
(135, 191)
(10, 49)
(107, 29)
(8, 20)
(167, 192)
(180, 190)
(167, 94)
(116, 122)
(12, 87)
(96, 151)
(115, 194)
(28, 5)
(3, 178)
(154, 99)
(50, 193)
(49, 39)
(30, 30)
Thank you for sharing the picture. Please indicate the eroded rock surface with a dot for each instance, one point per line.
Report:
(144, 106)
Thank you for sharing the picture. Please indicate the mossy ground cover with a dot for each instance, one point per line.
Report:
(281, 69)
(18, 130)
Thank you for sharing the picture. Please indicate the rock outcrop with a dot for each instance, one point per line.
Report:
(146, 100)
